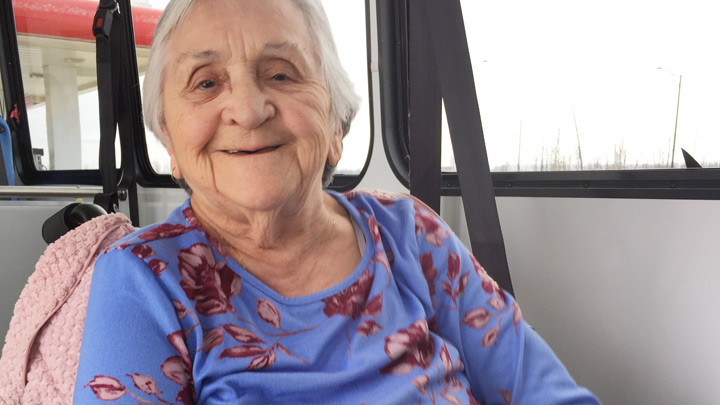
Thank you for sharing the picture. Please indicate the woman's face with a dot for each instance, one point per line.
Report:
(246, 108)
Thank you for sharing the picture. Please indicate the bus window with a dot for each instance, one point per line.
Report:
(57, 60)
(347, 19)
(580, 85)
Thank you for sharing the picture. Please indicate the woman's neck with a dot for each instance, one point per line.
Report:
(266, 230)
(284, 248)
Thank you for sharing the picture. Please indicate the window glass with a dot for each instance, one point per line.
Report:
(588, 85)
(347, 20)
(57, 60)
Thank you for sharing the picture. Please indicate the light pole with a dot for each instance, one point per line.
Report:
(677, 114)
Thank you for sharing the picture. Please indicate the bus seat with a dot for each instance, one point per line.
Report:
(42, 347)
(69, 218)
(8, 171)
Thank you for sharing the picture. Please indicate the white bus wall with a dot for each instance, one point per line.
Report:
(21, 245)
(625, 291)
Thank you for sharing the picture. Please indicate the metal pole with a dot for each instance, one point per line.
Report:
(677, 113)
(48, 191)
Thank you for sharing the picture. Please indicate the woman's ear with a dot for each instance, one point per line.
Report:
(175, 171)
(336, 148)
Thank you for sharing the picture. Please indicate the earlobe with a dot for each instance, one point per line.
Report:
(175, 171)
(336, 148)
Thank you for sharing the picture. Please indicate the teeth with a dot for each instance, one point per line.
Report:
(250, 152)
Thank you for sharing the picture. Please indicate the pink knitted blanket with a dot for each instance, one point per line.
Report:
(42, 347)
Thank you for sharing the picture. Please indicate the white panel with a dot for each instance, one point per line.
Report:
(21, 245)
(625, 292)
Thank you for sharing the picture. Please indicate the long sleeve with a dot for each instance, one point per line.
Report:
(133, 348)
(505, 360)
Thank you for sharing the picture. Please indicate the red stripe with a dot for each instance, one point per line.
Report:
(73, 19)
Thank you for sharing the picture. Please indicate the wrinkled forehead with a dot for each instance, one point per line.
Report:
(270, 25)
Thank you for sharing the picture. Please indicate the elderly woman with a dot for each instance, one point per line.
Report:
(264, 288)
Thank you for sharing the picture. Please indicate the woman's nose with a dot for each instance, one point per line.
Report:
(248, 106)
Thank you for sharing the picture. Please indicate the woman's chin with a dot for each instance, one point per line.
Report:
(265, 197)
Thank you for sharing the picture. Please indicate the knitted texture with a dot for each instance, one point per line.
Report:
(42, 346)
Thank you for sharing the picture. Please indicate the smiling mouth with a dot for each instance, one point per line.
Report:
(253, 152)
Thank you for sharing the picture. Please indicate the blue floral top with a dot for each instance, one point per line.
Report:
(173, 319)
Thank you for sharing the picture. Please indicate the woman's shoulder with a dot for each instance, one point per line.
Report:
(152, 242)
(385, 202)
(180, 221)
(379, 200)
(380, 196)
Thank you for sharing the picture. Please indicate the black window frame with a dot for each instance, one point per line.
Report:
(145, 175)
(392, 15)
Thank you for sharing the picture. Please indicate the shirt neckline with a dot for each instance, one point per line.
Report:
(361, 228)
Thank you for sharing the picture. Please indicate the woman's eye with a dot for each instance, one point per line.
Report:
(206, 84)
(280, 77)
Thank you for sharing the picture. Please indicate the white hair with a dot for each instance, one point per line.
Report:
(344, 101)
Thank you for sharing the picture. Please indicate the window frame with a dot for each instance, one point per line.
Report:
(144, 175)
(690, 183)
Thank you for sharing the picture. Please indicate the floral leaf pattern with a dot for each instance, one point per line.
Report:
(243, 351)
(180, 309)
(484, 316)
(106, 388)
(176, 340)
(476, 318)
(446, 360)
(261, 353)
(479, 318)
(350, 301)
(262, 362)
(420, 382)
(189, 216)
(369, 327)
(374, 306)
(471, 398)
(163, 231)
(429, 270)
(268, 313)
(427, 223)
(383, 257)
(517, 316)
(157, 266)
(449, 382)
(212, 338)
(242, 335)
(460, 287)
(491, 336)
(453, 266)
(145, 383)
(409, 348)
(175, 368)
(209, 283)
(451, 398)
(507, 396)
(374, 230)
(496, 303)
(453, 271)
(142, 251)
